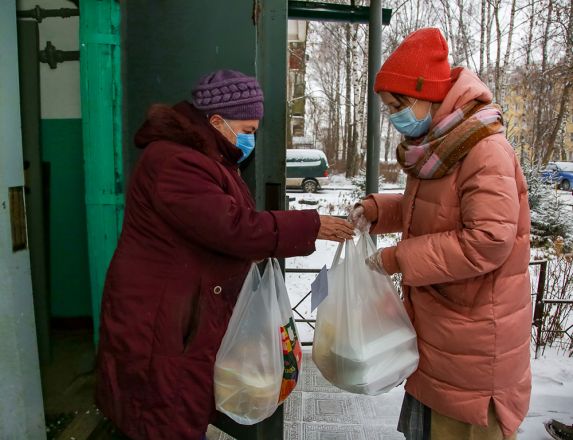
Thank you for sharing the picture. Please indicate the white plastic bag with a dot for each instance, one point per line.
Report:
(251, 362)
(364, 341)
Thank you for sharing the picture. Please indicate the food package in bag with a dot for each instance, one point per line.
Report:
(364, 341)
(259, 360)
(249, 365)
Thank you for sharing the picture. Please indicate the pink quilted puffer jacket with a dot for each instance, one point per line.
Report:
(464, 258)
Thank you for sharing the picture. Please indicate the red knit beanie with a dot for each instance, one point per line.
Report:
(418, 68)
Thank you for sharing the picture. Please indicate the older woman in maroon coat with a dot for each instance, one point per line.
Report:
(190, 234)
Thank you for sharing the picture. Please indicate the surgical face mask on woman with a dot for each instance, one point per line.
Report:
(405, 122)
(245, 142)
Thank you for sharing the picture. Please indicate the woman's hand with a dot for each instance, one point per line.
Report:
(335, 229)
(374, 262)
(358, 219)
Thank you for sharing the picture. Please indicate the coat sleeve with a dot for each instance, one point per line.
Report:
(389, 207)
(189, 195)
(489, 205)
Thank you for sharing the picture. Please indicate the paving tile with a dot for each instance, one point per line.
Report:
(314, 382)
(330, 408)
(324, 431)
(293, 431)
(380, 410)
(317, 410)
(382, 433)
(307, 363)
(293, 407)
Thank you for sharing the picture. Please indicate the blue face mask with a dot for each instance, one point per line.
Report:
(406, 122)
(245, 142)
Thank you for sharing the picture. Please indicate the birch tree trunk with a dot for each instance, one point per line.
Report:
(568, 79)
(488, 42)
(387, 144)
(497, 78)
(482, 42)
(349, 154)
(529, 45)
(510, 34)
(347, 133)
(539, 129)
(465, 42)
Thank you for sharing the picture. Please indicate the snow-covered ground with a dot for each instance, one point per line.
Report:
(552, 394)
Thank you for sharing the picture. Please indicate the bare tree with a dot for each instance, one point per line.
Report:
(482, 41)
(510, 34)
(567, 73)
(539, 126)
(497, 72)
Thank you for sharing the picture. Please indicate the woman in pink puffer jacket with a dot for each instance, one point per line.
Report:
(464, 252)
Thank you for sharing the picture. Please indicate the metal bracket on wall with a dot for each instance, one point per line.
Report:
(321, 11)
(39, 14)
(53, 56)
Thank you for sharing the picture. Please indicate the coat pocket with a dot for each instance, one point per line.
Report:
(191, 324)
(176, 318)
(467, 293)
(217, 300)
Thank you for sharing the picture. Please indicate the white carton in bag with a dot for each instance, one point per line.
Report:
(363, 342)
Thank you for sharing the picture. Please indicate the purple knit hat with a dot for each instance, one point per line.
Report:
(229, 93)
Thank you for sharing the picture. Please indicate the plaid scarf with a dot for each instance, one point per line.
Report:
(435, 155)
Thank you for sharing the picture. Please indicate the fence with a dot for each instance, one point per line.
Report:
(539, 309)
(538, 299)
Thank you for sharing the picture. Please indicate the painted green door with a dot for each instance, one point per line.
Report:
(101, 114)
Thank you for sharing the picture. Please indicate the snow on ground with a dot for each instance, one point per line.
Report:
(552, 392)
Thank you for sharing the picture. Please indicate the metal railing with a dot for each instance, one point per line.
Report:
(539, 315)
(538, 298)
(295, 310)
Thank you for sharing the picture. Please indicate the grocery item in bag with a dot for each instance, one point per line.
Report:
(364, 342)
(292, 352)
(260, 357)
(249, 365)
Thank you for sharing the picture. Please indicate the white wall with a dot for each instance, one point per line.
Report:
(60, 87)
(21, 410)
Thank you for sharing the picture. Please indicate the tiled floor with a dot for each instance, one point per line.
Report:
(317, 410)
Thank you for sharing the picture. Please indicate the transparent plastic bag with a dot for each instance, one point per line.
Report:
(364, 341)
(257, 365)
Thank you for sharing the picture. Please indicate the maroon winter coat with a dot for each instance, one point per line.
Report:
(189, 236)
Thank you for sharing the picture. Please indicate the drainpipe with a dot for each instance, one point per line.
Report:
(39, 14)
(100, 80)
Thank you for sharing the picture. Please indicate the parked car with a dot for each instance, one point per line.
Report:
(559, 173)
(306, 169)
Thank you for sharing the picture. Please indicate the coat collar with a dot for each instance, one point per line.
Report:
(185, 125)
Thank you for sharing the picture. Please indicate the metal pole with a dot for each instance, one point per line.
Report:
(538, 313)
(374, 61)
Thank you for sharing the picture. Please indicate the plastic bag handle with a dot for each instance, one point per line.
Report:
(370, 246)
(338, 253)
